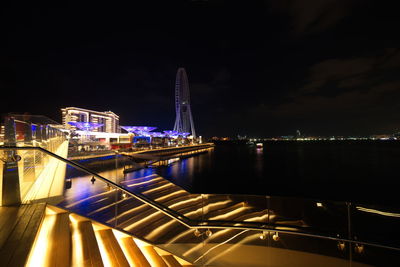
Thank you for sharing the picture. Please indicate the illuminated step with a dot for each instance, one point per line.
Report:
(153, 257)
(133, 252)
(171, 261)
(156, 227)
(146, 187)
(65, 239)
(257, 216)
(143, 178)
(110, 250)
(131, 184)
(170, 196)
(154, 190)
(86, 251)
(227, 212)
(60, 241)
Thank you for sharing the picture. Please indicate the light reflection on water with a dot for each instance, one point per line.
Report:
(334, 170)
(316, 170)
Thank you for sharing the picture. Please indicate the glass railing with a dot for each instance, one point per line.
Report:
(209, 229)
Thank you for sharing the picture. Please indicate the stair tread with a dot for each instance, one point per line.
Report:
(171, 261)
(90, 250)
(134, 252)
(114, 252)
(61, 249)
(154, 257)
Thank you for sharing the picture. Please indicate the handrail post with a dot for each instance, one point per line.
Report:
(10, 194)
(350, 233)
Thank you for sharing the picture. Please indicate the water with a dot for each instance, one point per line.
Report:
(342, 170)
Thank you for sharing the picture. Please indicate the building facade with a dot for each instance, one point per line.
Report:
(109, 119)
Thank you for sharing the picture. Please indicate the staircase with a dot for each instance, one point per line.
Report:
(67, 239)
(145, 222)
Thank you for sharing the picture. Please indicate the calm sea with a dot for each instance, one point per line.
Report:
(361, 171)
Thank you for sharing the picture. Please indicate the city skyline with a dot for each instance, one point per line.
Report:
(264, 69)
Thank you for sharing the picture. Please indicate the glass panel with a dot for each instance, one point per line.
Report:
(375, 224)
(375, 256)
(2, 169)
(30, 175)
(42, 177)
(155, 227)
(319, 217)
(147, 183)
(31, 134)
(232, 247)
(91, 198)
(235, 208)
(297, 250)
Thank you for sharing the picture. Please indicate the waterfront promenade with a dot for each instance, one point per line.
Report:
(136, 151)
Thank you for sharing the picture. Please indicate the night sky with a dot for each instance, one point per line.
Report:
(261, 68)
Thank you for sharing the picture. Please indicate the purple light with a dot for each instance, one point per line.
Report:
(134, 129)
(171, 133)
(86, 126)
(157, 134)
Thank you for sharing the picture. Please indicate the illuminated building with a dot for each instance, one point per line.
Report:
(108, 119)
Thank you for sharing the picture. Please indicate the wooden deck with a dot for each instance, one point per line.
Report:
(18, 229)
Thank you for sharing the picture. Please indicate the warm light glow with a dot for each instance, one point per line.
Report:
(143, 245)
(229, 214)
(157, 188)
(184, 202)
(160, 229)
(103, 251)
(119, 236)
(49, 182)
(40, 251)
(179, 192)
(139, 222)
(379, 212)
(146, 182)
(319, 205)
(77, 253)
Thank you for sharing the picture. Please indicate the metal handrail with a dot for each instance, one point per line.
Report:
(196, 224)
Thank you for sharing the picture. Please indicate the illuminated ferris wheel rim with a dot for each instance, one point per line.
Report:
(184, 119)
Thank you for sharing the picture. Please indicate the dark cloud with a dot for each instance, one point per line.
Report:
(313, 16)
